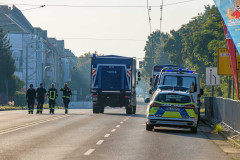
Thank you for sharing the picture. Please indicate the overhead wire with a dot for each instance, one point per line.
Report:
(42, 6)
(89, 6)
(137, 40)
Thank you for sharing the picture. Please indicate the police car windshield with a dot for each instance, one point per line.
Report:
(172, 98)
(182, 81)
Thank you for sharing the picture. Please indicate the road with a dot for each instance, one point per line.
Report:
(109, 136)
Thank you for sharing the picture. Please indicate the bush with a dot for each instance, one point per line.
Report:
(20, 99)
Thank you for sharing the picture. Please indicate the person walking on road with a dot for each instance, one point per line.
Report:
(30, 98)
(67, 93)
(41, 94)
(52, 96)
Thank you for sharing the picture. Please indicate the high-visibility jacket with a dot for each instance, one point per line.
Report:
(52, 94)
(67, 93)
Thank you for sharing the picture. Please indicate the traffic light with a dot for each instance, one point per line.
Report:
(140, 64)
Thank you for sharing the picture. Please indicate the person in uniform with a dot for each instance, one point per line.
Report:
(41, 94)
(30, 98)
(67, 93)
(52, 96)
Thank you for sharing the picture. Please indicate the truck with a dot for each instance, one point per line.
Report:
(113, 83)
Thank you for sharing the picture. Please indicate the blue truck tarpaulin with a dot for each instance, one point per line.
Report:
(230, 12)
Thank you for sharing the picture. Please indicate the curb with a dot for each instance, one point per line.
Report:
(232, 141)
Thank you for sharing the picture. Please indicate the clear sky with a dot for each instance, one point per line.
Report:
(79, 26)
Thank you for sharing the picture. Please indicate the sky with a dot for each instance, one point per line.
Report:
(119, 31)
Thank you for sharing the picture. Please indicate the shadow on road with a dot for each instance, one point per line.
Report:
(122, 114)
(185, 132)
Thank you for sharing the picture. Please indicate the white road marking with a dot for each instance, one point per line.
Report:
(107, 135)
(30, 124)
(124, 120)
(121, 122)
(90, 151)
(113, 130)
(100, 142)
(118, 126)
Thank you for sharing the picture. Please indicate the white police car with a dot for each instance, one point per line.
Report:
(172, 106)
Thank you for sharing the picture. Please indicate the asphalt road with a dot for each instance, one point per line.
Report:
(109, 136)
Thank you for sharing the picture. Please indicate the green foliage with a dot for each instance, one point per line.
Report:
(20, 99)
(154, 53)
(81, 76)
(7, 67)
(195, 45)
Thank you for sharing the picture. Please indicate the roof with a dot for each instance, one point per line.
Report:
(113, 56)
(9, 25)
(182, 74)
(177, 92)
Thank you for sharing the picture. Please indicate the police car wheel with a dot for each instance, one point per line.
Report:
(194, 129)
(149, 127)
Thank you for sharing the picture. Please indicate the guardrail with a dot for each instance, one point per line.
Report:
(225, 110)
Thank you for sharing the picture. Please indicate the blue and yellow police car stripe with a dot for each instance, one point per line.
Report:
(180, 111)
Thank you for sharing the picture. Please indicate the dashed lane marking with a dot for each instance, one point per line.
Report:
(118, 126)
(89, 152)
(124, 120)
(121, 122)
(113, 130)
(30, 124)
(107, 135)
(100, 142)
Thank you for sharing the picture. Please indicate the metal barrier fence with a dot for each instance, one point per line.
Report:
(223, 110)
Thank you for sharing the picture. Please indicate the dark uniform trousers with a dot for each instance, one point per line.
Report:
(52, 105)
(40, 105)
(66, 102)
(30, 106)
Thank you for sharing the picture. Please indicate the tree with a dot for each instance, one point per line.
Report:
(81, 75)
(7, 67)
(154, 53)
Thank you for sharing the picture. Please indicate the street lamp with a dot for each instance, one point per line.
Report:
(46, 67)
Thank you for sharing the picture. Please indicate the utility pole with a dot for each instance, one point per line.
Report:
(161, 10)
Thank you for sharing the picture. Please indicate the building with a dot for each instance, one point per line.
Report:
(38, 59)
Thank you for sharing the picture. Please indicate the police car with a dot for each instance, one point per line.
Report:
(172, 106)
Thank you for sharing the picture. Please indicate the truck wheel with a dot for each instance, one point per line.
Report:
(194, 129)
(128, 110)
(134, 110)
(149, 127)
(95, 109)
(101, 109)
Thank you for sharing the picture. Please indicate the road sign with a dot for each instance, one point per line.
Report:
(212, 78)
(224, 66)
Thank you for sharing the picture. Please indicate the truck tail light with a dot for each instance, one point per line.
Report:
(95, 95)
(126, 97)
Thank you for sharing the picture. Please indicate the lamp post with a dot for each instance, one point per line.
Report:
(27, 46)
(46, 67)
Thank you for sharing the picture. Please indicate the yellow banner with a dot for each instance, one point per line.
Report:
(224, 65)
